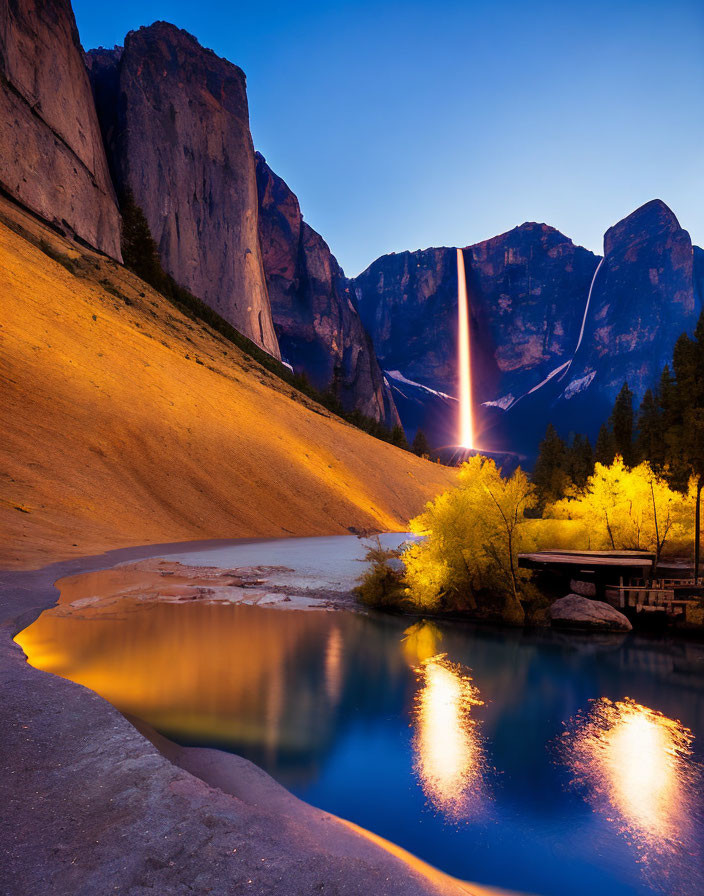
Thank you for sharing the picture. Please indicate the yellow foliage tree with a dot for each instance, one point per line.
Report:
(627, 509)
(473, 534)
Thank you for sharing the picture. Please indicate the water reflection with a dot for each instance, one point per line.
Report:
(323, 701)
(636, 768)
(420, 642)
(334, 665)
(449, 758)
(205, 673)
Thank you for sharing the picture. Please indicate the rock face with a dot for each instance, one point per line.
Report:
(526, 294)
(644, 296)
(176, 125)
(525, 291)
(52, 153)
(555, 330)
(645, 293)
(575, 611)
(316, 320)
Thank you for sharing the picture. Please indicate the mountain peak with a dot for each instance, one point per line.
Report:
(176, 37)
(651, 220)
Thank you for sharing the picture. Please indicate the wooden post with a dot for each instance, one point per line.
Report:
(697, 525)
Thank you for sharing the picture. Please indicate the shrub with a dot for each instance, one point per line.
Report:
(382, 586)
(473, 532)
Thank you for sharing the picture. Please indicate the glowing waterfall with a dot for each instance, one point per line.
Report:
(466, 433)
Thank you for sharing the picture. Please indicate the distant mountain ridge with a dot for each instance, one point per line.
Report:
(555, 329)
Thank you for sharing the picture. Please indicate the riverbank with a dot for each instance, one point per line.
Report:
(92, 806)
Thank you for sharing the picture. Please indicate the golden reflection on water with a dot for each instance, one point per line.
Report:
(206, 672)
(420, 642)
(636, 767)
(334, 670)
(449, 757)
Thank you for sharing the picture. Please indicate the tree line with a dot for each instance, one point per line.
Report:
(141, 255)
(666, 432)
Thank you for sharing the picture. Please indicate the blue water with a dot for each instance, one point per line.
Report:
(494, 755)
(531, 826)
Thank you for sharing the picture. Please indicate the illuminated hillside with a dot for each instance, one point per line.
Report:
(125, 422)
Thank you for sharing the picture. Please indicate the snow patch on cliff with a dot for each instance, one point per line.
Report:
(578, 385)
(400, 378)
(504, 402)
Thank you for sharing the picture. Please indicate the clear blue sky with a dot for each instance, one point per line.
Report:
(407, 125)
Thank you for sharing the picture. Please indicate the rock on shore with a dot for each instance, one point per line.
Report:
(575, 611)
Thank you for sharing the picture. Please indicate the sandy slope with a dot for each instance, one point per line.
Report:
(124, 422)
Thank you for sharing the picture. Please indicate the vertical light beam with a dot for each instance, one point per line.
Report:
(466, 433)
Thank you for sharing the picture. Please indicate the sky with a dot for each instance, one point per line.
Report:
(403, 125)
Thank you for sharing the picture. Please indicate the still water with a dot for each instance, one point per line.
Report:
(544, 763)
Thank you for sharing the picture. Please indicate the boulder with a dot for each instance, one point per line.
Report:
(175, 120)
(586, 589)
(53, 160)
(576, 611)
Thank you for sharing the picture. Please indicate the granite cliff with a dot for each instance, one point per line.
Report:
(51, 152)
(643, 297)
(646, 291)
(316, 320)
(555, 329)
(525, 290)
(175, 121)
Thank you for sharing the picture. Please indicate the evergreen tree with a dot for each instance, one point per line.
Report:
(605, 448)
(671, 421)
(580, 460)
(685, 437)
(420, 444)
(549, 473)
(667, 397)
(650, 444)
(622, 424)
(398, 438)
(139, 251)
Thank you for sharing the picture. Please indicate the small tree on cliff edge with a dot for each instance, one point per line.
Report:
(139, 250)
(398, 438)
(420, 444)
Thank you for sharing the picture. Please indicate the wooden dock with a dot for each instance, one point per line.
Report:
(670, 596)
(625, 579)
